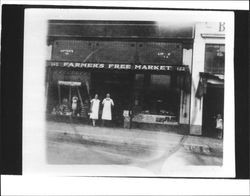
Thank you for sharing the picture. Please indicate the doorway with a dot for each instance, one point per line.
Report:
(120, 87)
(213, 104)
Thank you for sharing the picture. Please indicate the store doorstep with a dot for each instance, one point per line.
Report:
(176, 128)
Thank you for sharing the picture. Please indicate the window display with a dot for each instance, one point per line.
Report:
(157, 99)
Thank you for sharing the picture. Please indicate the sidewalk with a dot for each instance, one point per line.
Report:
(138, 137)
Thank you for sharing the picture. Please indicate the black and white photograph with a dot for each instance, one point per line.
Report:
(126, 92)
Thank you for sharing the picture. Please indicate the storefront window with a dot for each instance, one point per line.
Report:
(160, 81)
(158, 94)
(215, 58)
(139, 81)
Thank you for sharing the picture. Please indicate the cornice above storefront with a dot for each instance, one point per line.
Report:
(206, 35)
(118, 30)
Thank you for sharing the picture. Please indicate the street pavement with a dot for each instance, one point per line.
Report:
(69, 143)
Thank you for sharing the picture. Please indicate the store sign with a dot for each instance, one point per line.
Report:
(214, 28)
(155, 119)
(118, 66)
(222, 27)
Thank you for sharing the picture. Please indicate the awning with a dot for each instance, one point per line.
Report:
(208, 79)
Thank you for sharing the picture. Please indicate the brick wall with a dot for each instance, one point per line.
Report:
(118, 52)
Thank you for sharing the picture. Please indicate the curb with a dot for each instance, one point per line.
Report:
(122, 141)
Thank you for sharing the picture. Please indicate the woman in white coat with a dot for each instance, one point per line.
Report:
(107, 106)
(95, 103)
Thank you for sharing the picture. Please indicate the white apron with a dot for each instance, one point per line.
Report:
(95, 108)
(106, 112)
(74, 103)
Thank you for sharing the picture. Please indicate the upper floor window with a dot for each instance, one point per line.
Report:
(215, 58)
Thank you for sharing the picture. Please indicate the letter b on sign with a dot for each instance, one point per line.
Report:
(222, 26)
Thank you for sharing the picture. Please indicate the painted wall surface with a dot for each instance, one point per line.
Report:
(185, 97)
(49, 52)
(205, 33)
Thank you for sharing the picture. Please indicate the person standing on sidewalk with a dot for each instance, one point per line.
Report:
(219, 126)
(94, 109)
(74, 105)
(107, 107)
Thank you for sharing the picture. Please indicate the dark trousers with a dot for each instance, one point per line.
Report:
(220, 133)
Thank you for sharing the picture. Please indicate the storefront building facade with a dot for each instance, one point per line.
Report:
(152, 72)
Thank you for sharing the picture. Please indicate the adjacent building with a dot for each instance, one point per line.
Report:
(207, 91)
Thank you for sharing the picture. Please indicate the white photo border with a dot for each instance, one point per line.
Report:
(34, 144)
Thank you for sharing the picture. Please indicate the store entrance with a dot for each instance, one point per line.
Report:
(213, 105)
(120, 87)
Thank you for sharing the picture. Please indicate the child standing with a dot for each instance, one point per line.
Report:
(219, 126)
